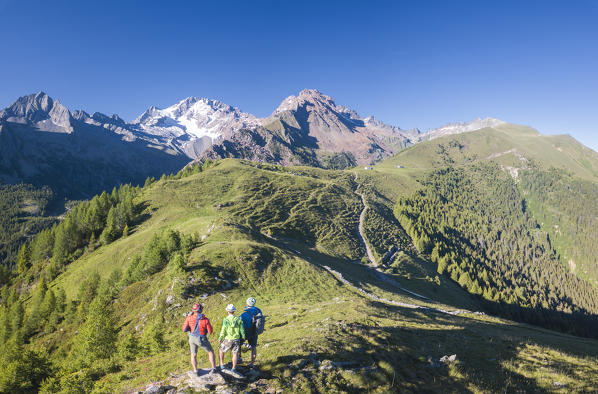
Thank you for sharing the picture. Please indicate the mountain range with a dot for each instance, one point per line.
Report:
(78, 154)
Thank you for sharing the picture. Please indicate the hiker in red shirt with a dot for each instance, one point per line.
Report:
(199, 327)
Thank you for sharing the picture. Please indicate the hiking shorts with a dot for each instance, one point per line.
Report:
(199, 342)
(251, 340)
(233, 345)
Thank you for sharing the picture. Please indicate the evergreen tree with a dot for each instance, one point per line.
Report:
(110, 232)
(97, 336)
(128, 347)
(48, 305)
(23, 259)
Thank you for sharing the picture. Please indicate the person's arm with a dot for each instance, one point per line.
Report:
(242, 329)
(209, 326)
(186, 325)
(221, 336)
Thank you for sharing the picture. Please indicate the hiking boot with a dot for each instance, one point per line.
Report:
(213, 370)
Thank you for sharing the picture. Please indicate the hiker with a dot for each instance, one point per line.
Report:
(198, 326)
(253, 323)
(230, 337)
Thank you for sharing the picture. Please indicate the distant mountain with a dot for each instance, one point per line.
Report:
(461, 127)
(193, 124)
(312, 129)
(41, 140)
(77, 155)
(39, 111)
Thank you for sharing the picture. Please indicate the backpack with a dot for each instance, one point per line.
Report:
(258, 321)
(195, 331)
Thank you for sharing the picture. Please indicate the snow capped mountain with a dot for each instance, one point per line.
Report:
(77, 155)
(463, 127)
(196, 118)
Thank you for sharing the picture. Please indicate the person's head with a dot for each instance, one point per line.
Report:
(251, 301)
(230, 308)
(197, 308)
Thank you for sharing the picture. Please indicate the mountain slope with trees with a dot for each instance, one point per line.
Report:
(103, 313)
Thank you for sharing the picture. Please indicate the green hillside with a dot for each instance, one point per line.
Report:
(509, 145)
(102, 313)
(556, 176)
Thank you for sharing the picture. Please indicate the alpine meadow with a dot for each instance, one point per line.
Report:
(298, 197)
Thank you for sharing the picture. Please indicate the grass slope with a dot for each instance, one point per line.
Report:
(268, 231)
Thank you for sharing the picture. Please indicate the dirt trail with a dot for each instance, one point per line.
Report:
(378, 271)
(360, 228)
(374, 297)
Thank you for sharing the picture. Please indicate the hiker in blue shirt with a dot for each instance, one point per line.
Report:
(253, 323)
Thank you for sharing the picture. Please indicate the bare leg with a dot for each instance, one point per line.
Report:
(235, 358)
(194, 362)
(253, 354)
(211, 357)
(221, 354)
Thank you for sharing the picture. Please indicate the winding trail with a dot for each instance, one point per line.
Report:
(376, 271)
(374, 297)
(361, 233)
(360, 228)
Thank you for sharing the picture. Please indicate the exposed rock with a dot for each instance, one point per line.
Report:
(326, 365)
(204, 379)
(158, 389)
(448, 359)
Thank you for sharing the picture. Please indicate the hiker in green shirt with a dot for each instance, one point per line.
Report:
(230, 336)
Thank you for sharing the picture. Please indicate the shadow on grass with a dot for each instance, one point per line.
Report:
(208, 279)
(408, 358)
(579, 324)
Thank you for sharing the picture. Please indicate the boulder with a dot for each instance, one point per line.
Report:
(448, 359)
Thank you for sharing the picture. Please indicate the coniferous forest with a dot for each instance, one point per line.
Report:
(475, 225)
(566, 208)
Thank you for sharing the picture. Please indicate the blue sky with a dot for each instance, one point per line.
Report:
(412, 64)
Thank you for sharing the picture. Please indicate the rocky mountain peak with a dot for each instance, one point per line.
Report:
(41, 111)
(307, 98)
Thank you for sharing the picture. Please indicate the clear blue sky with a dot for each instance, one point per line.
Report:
(412, 64)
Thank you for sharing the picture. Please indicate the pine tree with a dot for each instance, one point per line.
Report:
(92, 242)
(110, 232)
(48, 305)
(60, 300)
(97, 336)
(23, 258)
(126, 231)
(128, 347)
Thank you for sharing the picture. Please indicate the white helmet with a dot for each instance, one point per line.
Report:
(250, 301)
(230, 308)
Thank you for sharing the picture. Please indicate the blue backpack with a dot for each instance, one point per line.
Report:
(195, 331)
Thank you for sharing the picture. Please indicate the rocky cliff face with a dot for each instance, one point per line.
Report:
(78, 155)
(41, 112)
